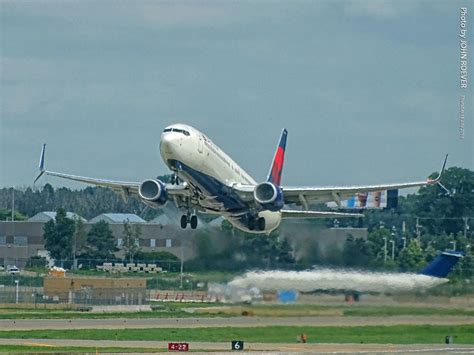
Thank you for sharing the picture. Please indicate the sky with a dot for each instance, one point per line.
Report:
(369, 91)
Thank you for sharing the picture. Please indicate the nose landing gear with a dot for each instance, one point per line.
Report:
(175, 179)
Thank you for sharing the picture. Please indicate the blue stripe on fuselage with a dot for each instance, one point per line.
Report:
(212, 187)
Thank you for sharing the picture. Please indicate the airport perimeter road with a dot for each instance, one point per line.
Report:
(121, 323)
(284, 347)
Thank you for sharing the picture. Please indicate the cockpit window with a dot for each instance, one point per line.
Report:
(186, 133)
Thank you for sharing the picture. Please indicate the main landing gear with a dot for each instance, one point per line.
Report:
(191, 219)
(257, 223)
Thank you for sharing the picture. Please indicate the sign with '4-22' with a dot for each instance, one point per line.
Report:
(237, 345)
(178, 347)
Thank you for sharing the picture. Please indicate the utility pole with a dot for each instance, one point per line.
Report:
(393, 249)
(16, 283)
(418, 232)
(454, 245)
(13, 204)
(385, 250)
(466, 226)
(182, 258)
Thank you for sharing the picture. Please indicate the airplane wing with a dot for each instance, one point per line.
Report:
(306, 195)
(317, 214)
(123, 187)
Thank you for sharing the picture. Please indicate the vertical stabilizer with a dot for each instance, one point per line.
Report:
(274, 176)
(442, 264)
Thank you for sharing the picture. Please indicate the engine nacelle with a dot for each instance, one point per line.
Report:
(153, 193)
(269, 196)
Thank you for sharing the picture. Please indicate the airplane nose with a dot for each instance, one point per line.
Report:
(167, 143)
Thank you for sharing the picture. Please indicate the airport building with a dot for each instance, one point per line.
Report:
(20, 240)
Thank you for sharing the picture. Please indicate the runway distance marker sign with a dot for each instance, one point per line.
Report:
(237, 345)
(178, 347)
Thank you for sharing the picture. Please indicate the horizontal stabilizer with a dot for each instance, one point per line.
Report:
(317, 214)
(442, 264)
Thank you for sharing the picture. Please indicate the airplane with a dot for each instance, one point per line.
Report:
(207, 180)
(349, 281)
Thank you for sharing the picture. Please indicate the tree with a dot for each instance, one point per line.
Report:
(376, 244)
(100, 243)
(357, 252)
(58, 236)
(285, 255)
(131, 239)
(80, 240)
(447, 210)
(412, 258)
(6, 215)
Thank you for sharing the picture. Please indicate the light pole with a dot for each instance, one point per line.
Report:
(181, 271)
(466, 227)
(16, 282)
(404, 242)
(384, 250)
(454, 245)
(393, 249)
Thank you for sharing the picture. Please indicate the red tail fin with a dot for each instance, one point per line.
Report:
(274, 176)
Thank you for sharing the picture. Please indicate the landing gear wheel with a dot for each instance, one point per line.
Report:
(261, 223)
(184, 221)
(251, 224)
(174, 179)
(194, 222)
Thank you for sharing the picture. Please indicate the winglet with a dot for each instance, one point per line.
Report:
(433, 181)
(41, 163)
(274, 176)
(438, 178)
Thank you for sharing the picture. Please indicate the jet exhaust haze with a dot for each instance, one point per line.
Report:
(331, 279)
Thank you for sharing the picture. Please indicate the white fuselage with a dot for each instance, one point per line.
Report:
(211, 173)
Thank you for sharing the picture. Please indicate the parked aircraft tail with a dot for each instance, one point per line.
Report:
(442, 264)
(274, 176)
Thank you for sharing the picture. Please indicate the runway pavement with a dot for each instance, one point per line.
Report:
(313, 348)
(199, 322)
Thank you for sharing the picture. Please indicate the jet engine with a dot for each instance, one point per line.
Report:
(269, 196)
(153, 193)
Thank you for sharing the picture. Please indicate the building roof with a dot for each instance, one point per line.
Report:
(166, 220)
(49, 215)
(117, 218)
(163, 219)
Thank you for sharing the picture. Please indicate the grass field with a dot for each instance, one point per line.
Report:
(73, 349)
(301, 310)
(400, 334)
(178, 310)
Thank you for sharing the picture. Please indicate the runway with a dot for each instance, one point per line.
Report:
(313, 348)
(201, 322)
